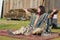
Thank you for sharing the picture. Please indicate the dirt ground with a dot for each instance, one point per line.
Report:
(30, 37)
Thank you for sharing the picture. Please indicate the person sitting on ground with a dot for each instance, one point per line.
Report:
(35, 22)
(49, 20)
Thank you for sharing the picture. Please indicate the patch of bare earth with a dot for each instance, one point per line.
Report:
(29, 37)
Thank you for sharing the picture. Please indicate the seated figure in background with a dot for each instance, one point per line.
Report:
(49, 21)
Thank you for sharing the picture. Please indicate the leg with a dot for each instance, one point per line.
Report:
(41, 19)
(20, 31)
(46, 31)
(23, 30)
(54, 23)
(39, 22)
(33, 17)
(47, 25)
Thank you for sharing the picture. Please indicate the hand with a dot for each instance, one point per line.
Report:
(54, 10)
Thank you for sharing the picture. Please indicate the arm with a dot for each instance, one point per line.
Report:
(37, 17)
(52, 13)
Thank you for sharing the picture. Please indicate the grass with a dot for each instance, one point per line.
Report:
(4, 25)
(7, 38)
(56, 39)
(12, 24)
(56, 30)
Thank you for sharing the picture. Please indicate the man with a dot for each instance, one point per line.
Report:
(35, 22)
